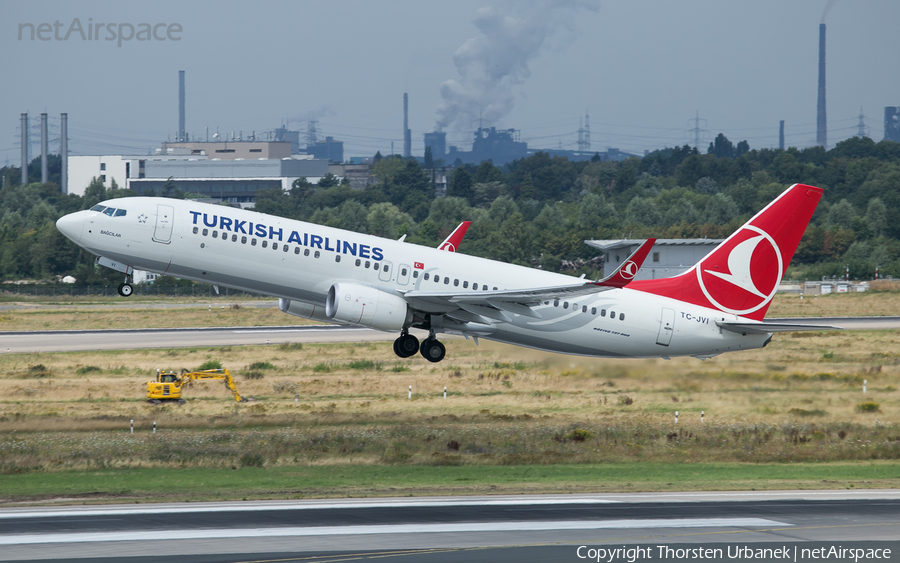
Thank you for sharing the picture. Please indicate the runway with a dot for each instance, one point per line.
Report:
(75, 340)
(471, 529)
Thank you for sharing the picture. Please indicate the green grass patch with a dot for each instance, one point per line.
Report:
(261, 366)
(252, 481)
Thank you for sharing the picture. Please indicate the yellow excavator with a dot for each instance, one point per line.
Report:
(168, 384)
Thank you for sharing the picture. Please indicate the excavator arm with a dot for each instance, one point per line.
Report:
(219, 374)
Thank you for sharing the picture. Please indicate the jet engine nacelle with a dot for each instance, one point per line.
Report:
(366, 306)
(303, 310)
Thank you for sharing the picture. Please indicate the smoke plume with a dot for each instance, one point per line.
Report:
(828, 8)
(493, 64)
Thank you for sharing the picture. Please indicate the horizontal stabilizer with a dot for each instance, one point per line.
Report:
(763, 328)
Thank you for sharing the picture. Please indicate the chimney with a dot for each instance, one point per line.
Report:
(64, 152)
(821, 122)
(781, 135)
(23, 119)
(44, 173)
(407, 137)
(180, 106)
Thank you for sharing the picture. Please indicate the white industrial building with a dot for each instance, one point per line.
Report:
(83, 169)
(667, 258)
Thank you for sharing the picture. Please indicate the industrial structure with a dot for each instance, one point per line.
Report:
(821, 120)
(892, 124)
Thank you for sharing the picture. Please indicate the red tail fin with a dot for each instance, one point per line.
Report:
(451, 243)
(741, 275)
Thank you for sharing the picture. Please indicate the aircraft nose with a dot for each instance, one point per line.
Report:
(71, 225)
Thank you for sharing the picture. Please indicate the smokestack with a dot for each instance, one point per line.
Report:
(44, 173)
(24, 127)
(407, 136)
(821, 122)
(181, 105)
(64, 152)
(781, 135)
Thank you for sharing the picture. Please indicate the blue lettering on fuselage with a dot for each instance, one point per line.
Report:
(695, 318)
(263, 231)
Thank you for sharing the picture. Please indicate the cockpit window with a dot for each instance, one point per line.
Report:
(109, 211)
(98, 207)
(120, 213)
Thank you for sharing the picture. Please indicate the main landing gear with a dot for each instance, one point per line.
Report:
(431, 348)
(125, 289)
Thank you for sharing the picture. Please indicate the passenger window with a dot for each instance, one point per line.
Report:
(403, 272)
(495, 288)
(274, 246)
(196, 230)
(593, 310)
(385, 269)
(253, 242)
(358, 261)
(296, 250)
(316, 255)
(306, 252)
(556, 302)
(368, 264)
(437, 279)
(612, 315)
(265, 243)
(337, 258)
(120, 212)
(566, 305)
(415, 274)
(475, 286)
(243, 240)
(109, 211)
(584, 309)
(233, 238)
(215, 234)
(455, 283)
(205, 232)
(285, 248)
(425, 277)
(484, 288)
(447, 281)
(465, 285)
(621, 316)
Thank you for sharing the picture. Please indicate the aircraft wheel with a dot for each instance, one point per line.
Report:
(407, 345)
(125, 289)
(432, 350)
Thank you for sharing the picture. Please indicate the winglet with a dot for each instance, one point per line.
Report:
(629, 268)
(452, 242)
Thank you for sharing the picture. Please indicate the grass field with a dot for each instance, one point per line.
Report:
(336, 418)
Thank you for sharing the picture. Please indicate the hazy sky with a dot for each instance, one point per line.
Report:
(642, 68)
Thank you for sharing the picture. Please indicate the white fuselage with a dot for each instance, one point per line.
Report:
(300, 261)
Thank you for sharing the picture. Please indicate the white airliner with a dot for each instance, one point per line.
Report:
(332, 275)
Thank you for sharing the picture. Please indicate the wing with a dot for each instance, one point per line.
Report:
(484, 306)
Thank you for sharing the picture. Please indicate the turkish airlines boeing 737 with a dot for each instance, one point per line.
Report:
(332, 275)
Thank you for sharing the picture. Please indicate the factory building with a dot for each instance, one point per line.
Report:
(892, 124)
(83, 169)
(234, 181)
(668, 257)
(233, 150)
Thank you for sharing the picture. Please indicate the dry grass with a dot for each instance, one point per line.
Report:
(883, 301)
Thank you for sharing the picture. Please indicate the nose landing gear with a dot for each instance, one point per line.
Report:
(126, 289)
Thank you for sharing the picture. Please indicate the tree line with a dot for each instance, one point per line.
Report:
(537, 211)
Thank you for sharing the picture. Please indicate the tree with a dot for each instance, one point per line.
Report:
(461, 184)
(841, 214)
(487, 172)
(328, 180)
(721, 147)
(876, 216)
(593, 211)
(720, 209)
(642, 211)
